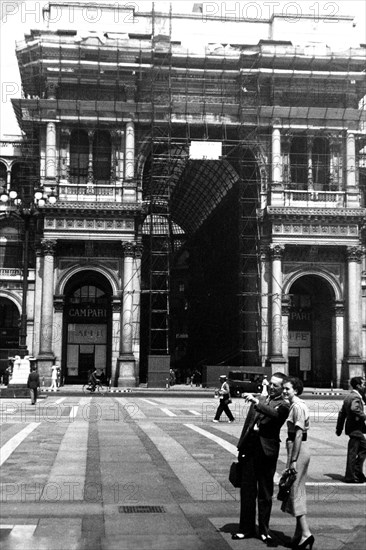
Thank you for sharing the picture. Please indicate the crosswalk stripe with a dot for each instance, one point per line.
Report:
(9, 447)
(168, 412)
(195, 413)
(74, 411)
(225, 444)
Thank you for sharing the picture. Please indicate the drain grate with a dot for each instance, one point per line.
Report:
(141, 509)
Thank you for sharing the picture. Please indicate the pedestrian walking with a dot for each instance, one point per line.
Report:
(225, 400)
(258, 448)
(352, 416)
(33, 384)
(298, 458)
(53, 385)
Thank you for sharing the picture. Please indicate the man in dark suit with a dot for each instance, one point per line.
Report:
(352, 413)
(33, 384)
(258, 448)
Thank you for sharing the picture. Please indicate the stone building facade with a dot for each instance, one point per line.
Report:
(210, 197)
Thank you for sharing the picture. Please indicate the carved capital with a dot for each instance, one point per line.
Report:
(277, 251)
(286, 304)
(128, 249)
(48, 247)
(116, 304)
(138, 250)
(59, 302)
(354, 254)
(339, 308)
(265, 252)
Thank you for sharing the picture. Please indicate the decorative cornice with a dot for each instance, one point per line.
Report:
(95, 207)
(319, 213)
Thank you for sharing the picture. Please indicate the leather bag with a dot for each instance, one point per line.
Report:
(235, 474)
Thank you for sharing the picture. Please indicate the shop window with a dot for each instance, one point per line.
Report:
(102, 156)
(79, 156)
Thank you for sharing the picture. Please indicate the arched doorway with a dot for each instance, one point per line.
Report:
(311, 346)
(9, 323)
(87, 324)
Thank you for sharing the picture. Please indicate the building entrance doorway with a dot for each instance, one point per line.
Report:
(311, 344)
(87, 324)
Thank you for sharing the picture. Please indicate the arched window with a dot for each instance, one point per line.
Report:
(79, 156)
(102, 156)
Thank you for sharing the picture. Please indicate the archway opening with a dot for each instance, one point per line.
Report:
(9, 323)
(87, 322)
(311, 343)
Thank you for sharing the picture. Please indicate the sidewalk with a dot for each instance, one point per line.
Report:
(183, 390)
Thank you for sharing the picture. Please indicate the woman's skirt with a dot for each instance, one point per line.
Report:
(296, 502)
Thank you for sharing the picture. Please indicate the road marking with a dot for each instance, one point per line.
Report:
(147, 401)
(195, 413)
(168, 412)
(225, 444)
(9, 447)
(58, 401)
(74, 411)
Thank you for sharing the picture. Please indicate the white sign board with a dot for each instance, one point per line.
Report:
(205, 150)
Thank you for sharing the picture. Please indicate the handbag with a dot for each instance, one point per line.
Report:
(235, 474)
(286, 482)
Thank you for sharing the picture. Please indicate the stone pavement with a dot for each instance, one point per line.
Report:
(145, 472)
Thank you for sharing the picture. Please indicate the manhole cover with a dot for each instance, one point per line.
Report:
(141, 509)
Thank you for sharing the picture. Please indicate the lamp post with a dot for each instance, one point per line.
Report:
(26, 212)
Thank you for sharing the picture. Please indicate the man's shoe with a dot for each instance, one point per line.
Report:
(215, 420)
(353, 481)
(231, 421)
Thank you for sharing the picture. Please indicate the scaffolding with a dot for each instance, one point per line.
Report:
(230, 95)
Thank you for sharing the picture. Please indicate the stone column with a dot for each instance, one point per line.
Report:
(136, 307)
(353, 196)
(130, 151)
(353, 356)
(286, 305)
(90, 180)
(46, 356)
(37, 301)
(265, 289)
(126, 375)
(116, 337)
(310, 163)
(51, 150)
(276, 360)
(276, 155)
(338, 341)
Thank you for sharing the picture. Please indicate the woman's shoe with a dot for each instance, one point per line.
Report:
(308, 543)
(241, 536)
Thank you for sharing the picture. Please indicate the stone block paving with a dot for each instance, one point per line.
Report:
(128, 472)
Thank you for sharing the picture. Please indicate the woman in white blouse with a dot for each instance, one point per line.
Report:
(298, 458)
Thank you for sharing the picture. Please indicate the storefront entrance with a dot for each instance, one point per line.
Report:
(87, 323)
(311, 351)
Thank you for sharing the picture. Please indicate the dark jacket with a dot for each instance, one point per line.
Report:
(352, 413)
(270, 419)
(33, 380)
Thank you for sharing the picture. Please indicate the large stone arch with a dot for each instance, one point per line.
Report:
(13, 298)
(70, 273)
(290, 279)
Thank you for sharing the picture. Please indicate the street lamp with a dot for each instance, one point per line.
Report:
(9, 197)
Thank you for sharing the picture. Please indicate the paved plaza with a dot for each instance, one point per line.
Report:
(150, 471)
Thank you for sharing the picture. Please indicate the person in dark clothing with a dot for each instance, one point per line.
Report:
(353, 414)
(224, 396)
(258, 447)
(33, 384)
